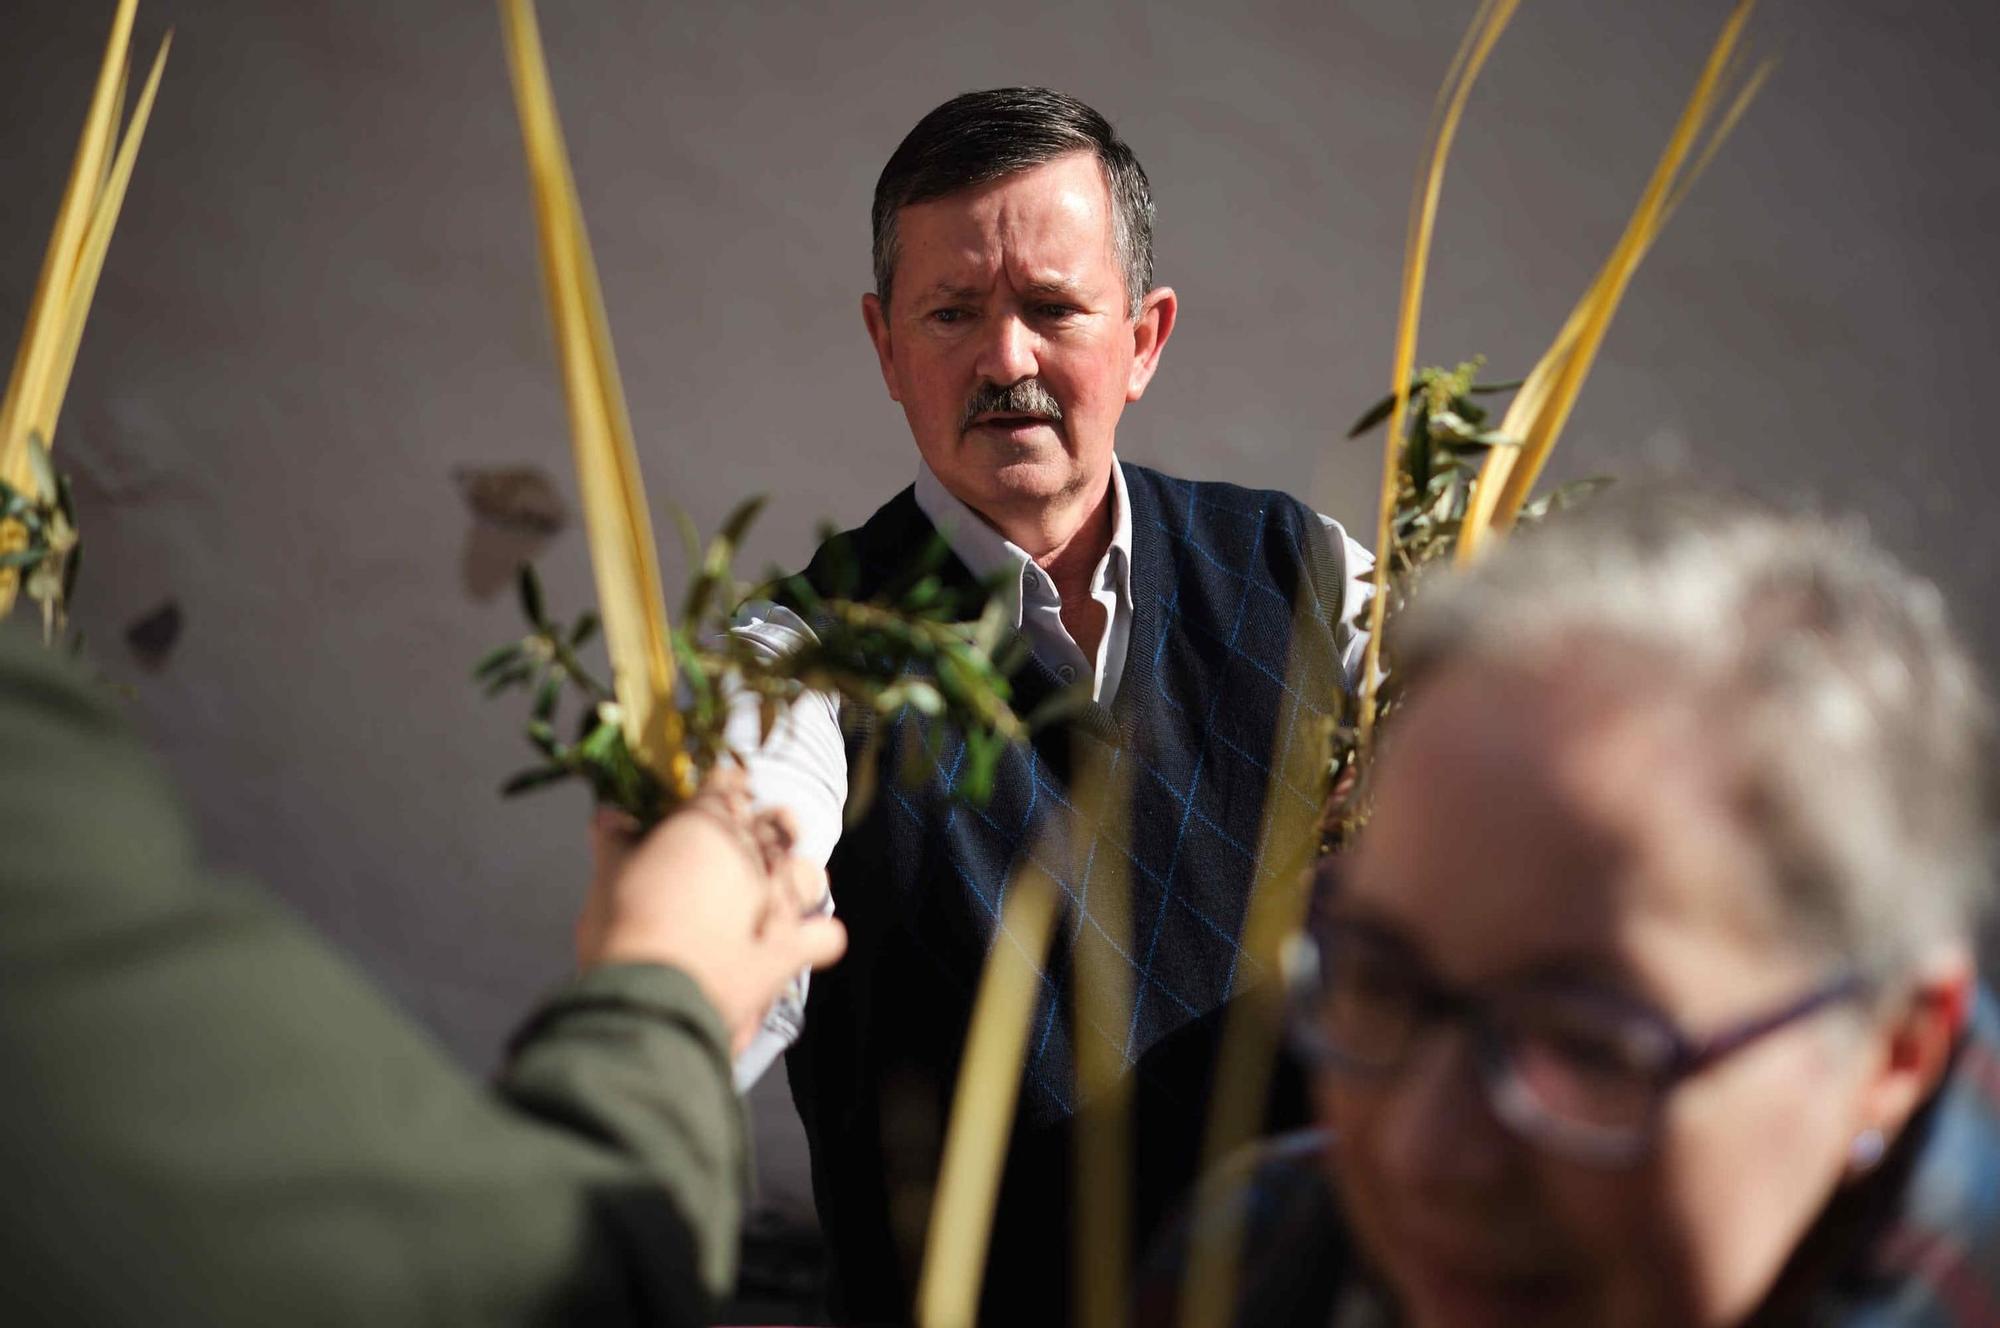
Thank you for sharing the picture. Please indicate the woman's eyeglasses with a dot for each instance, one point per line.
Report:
(1580, 1071)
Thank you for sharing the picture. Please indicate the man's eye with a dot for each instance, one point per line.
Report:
(1056, 312)
(948, 316)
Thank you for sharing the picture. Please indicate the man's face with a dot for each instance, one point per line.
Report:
(1016, 284)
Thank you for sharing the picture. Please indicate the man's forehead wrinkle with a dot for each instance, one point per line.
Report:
(1053, 238)
(976, 276)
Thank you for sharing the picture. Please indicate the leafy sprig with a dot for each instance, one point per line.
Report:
(39, 543)
(920, 645)
(1445, 446)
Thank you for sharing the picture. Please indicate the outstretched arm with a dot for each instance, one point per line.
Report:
(211, 1118)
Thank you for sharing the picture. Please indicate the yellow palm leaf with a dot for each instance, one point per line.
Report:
(42, 334)
(616, 521)
(46, 355)
(90, 261)
(988, 1086)
(1252, 1022)
(1537, 417)
(1487, 25)
(1101, 981)
(982, 1107)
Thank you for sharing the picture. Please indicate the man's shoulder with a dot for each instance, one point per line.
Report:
(887, 521)
(1216, 498)
(856, 563)
(892, 520)
(1215, 523)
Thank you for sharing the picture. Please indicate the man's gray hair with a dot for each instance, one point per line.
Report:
(1854, 723)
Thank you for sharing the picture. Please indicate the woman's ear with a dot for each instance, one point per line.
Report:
(1919, 1035)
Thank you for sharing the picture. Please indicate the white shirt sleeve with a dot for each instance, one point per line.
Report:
(1350, 634)
(803, 767)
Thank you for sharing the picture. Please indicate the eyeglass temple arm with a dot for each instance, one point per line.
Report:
(1700, 1055)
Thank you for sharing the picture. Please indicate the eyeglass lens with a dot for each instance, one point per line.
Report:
(1587, 1068)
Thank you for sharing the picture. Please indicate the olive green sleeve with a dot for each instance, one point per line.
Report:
(207, 1117)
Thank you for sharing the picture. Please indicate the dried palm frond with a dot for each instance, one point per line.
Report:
(1538, 413)
(1487, 25)
(615, 519)
(38, 536)
(1451, 484)
(982, 1107)
(1254, 1018)
(1103, 993)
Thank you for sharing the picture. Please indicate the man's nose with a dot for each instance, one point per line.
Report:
(1007, 353)
(1438, 1132)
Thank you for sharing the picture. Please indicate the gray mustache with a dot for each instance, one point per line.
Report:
(1027, 397)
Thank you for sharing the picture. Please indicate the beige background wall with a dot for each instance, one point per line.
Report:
(324, 299)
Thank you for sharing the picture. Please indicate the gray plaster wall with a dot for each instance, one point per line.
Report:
(323, 299)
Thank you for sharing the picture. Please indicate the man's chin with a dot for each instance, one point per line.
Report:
(1020, 463)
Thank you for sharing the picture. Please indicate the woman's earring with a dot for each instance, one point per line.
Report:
(1865, 1152)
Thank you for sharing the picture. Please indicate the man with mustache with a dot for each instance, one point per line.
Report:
(1199, 625)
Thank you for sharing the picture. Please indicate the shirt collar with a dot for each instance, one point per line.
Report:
(989, 555)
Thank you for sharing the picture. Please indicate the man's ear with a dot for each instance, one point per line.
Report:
(1150, 331)
(1921, 1034)
(877, 318)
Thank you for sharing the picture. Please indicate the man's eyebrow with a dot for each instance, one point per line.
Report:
(1059, 287)
(945, 290)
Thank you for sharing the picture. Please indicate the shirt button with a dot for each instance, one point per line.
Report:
(1066, 674)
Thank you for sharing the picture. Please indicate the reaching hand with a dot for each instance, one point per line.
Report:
(714, 891)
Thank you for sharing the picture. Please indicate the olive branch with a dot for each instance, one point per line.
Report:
(921, 645)
(1446, 445)
(40, 549)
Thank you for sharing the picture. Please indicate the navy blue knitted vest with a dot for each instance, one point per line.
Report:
(1220, 701)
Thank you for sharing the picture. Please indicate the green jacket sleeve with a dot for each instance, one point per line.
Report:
(206, 1117)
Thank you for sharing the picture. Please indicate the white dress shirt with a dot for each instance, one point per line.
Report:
(804, 765)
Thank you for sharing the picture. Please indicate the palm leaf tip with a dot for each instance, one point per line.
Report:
(617, 524)
(1546, 401)
(1487, 25)
(71, 265)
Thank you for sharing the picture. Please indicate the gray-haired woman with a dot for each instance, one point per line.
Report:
(1648, 994)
